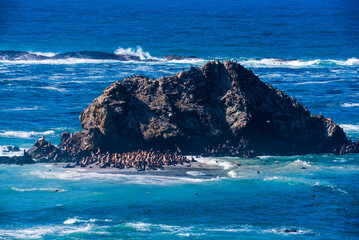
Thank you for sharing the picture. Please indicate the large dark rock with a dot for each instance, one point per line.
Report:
(218, 109)
(19, 160)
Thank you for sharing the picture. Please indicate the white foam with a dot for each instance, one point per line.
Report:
(67, 61)
(81, 174)
(135, 52)
(258, 230)
(332, 187)
(24, 134)
(214, 161)
(195, 173)
(54, 89)
(141, 226)
(348, 62)
(275, 62)
(4, 152)
(24, 109)
(350, 128)
(46, 54)
(38, 189)
(317, 82)
(347, 105)
(297, 63)
(298, 164)
(232, 174)
(74, 220)
(40, 231)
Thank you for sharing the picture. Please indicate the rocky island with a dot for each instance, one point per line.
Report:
(220, 109)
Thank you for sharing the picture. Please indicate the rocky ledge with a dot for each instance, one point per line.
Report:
(220, 109)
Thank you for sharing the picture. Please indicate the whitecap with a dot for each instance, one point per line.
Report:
(5, 152)
(332, 187)
(24, 134)
(46, 54)
(24, 109)
(141, 226)
(232, 174)
(297, 63)
(348, 105)
(275, 62)
(348, 62)
(195, 173)
(258, 230)
(135, 52)
(74, 220)
(214, 161)
(54, 89)
(316, 82)
(350, 128)
(40, 231)
(38, 189)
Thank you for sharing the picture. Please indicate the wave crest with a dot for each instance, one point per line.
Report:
(135, 52)
(24, 134)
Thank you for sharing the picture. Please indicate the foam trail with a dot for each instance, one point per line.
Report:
(24, 109)
(82, 174)
(38, 189)
(54, 89)
(40, 231)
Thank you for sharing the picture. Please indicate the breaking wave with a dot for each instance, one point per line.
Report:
(139, 55)
(74, 220)
(4, 151)
(350, 128)
(45, 54)
(135, 52)
(40, 231)
(24, 134)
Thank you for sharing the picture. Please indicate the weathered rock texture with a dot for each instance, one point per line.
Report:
(218, 109)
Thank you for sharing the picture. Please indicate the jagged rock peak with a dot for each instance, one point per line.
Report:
(218, 109)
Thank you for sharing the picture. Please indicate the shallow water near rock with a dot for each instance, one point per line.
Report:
(310, 52)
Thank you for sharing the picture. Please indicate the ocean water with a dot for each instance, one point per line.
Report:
(308, 49)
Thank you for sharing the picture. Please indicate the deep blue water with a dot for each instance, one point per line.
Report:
(309, 49)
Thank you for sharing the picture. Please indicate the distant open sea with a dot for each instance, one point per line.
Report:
(308, 49)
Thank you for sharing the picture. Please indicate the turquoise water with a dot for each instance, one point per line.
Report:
(307, 49)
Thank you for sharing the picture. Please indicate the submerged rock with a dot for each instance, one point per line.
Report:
(177, 57)
(20, 56)
(218, 109)
(96, 55)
